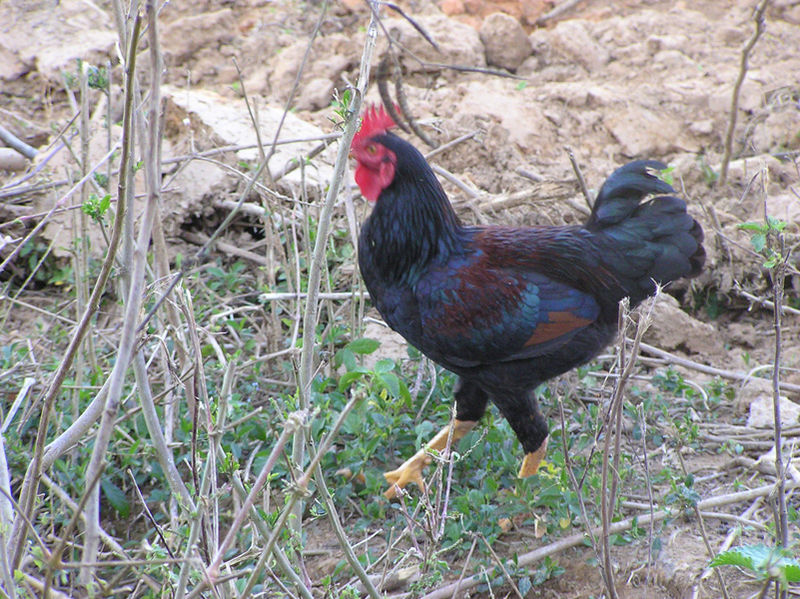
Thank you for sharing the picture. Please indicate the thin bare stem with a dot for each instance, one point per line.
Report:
(291, 425)
(132, 304)
(777, 244)
(579, 176)
(532, 557)
(701, 521)
(30, 483)
(758, 17)
(323, 228)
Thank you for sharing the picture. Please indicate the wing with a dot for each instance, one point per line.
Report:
(473, 314)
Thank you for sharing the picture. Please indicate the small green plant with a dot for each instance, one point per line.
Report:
(682, 492)
(102, 179)
(711, 176)
(381, 374)
(97, 77)
(96, 207)
(759, 241)
(767, 564)
(667, 175)
(341, 107)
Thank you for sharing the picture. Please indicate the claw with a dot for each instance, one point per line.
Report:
(530, 465)
(411, 470)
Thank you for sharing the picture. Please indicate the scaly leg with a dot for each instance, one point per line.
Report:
(522, 412)
(411, 470)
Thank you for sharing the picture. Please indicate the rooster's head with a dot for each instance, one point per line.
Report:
(376, 162)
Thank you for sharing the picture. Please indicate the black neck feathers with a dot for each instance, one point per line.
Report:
(412, 223)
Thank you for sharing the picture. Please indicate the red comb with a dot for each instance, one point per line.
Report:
(374, 121)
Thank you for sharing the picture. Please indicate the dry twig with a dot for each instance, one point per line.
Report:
(758, 17)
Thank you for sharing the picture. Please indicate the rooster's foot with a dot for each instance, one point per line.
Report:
(411, 470)
(530, 465)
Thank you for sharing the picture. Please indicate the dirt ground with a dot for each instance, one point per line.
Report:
(647, 79)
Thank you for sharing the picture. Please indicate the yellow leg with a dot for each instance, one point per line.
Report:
(530, 465)
(411, 470)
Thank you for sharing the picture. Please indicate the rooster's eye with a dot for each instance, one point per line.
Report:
(372, 149)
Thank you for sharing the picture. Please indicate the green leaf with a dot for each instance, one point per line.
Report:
(346, 357)
(385, 365)
(776, 223)
(391, 382)
(765, 562)
(738, 557)
(792, 572)
(759, 241)
(116, 497)
(666, 175)
(524, 584)
(751, 227)
(363, 345)
(348, 378)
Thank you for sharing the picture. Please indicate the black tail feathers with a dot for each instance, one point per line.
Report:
(654, 241)
(624, 190)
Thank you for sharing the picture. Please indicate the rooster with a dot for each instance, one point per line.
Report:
(507, 308)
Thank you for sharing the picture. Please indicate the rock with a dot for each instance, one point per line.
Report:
(93, 47)
(186, 36)
(571, 40)
(452, 7)
(356, 6)
(459, 44)
(704, 127)
(671, 59)
(331, 66)
(730, 35)
(474, 7)
(785, 207)
(673, 329)
(527, 127)
(50, 36)
(11, 67)
(533, 9)
(282, 70)
(657, 43)
(780, 131)
(750, 97)
(228, 122)
(792, 15)
(762, 412)
(189, 192)
(642, 132)
(11, 160)
(505, 41)
(315, 95)
(328, 60)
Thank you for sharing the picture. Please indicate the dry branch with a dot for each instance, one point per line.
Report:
(758, 17)
(12, 141)
(537, 555)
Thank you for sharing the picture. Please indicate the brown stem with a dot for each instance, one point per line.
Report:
(758, 17)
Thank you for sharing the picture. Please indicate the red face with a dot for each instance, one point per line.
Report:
(376, 163)
(375, 170)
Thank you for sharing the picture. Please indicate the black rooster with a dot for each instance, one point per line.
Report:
(507, 308)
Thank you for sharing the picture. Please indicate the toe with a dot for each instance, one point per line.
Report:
(530, 465)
